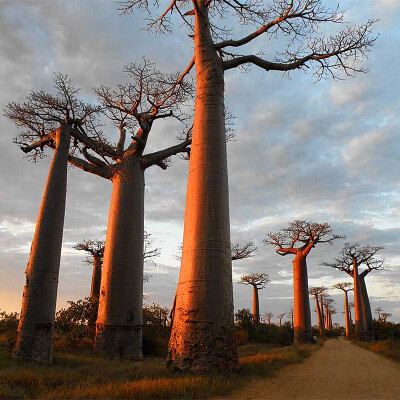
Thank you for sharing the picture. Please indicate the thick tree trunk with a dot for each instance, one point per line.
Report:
(347, 316)
(366, 307)
(302, 313)
(96, 277)
(360, 331)
(35, 329)
(319, 316)
(120, 316)
(202, 336)
(256, 306)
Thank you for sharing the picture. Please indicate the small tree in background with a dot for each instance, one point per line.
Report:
(350, 258)
(317, 291)
(96, 250)
(280, 316)
(345, 287)
(298, 239)
(268, 317)
(258, 282)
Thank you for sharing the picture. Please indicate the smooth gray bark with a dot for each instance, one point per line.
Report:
(120, 315)
(35, 329)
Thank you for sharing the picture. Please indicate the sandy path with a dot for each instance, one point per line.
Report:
(339, 371)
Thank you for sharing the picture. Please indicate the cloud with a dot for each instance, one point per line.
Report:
(325, 152)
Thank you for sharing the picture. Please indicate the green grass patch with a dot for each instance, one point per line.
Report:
(79, 373)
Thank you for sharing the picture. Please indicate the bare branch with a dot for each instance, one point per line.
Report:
(242, 251)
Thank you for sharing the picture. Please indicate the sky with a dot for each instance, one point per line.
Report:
(326, 152)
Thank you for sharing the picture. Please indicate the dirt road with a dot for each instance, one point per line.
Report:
(339, 371)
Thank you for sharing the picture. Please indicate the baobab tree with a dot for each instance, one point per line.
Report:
(280, 316)
(298, 240)
(350, 258)
(385, 316)
(268, 317)
(328, 303)
(258, 281)
(378, 310)
(96, 250)
(149, 96)
(351, 305)
(317, 291)
(239, 251)
(291, 317)
(63, 123)
(345, 287)
(205, 340)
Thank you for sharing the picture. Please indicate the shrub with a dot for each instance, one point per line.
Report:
(9, 326)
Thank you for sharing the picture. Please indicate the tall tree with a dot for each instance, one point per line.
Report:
(385, 316)
(268, 317)
(372, 265)
(258, 281)
(280, 316)
(350, 258)
(202, 336)
(291, 317)
(298, 239)
(149, 96)
(62, 123)
(317, 291)
(345, 287)
(96, 250)
(378, 310)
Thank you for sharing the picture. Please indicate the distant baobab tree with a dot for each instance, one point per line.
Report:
(350, 258)
(345, 287)
(378, 310)
(298, 240)
(63, 123)
(205, 340)
(258, 281)
(329, 310)
(317, 291)
(96, 250)
(351, 305)
(291, 317)
(280, 316)
(268, 317)
(385, 316)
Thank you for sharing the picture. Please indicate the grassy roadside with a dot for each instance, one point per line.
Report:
(387, 348)
(82, 374)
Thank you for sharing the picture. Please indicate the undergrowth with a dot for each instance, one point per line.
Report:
(389, 348)
(80, 373)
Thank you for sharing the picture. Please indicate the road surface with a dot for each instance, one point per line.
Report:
(339, 371)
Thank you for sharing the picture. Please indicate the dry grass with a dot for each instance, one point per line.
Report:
(82, 374)
(388, 348)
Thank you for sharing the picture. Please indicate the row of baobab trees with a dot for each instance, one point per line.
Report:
(202, 336)
(354, 259)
